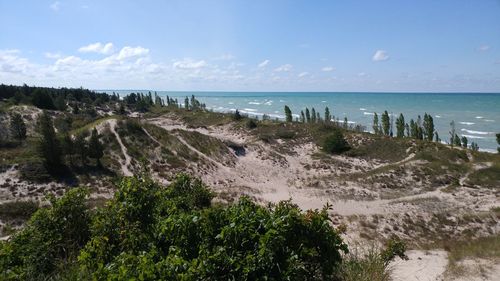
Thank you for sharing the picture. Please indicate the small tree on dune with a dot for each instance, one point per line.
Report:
(386, 125)
(335, 142)
(48, 145)
(288, 114)
(308, 116)
(400, 126)
(96, 149)
(313, 115)
(464, 141)
(428, 127)
(17, 127)
(498, 141)
(302, 117)
(376, 126)
(328, 116)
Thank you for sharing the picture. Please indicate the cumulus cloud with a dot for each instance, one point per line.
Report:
(328, 68)
(11, 62)
(97, 48)
(50, 55)
(283, 68)
(56, 6)
(131, 52)
(224, 57)
(380, 55)
(263, 64)
(189, 63)
(483, 48)
(302, 74)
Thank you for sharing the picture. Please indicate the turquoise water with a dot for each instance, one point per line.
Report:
(476, 115)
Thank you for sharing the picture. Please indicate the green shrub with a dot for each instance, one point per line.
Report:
(335, 143)
(251, 124)
(18, 209)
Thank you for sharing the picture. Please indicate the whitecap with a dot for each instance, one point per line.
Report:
(437, 116)
(472, 137)
(268, 102)
(489, 120)
(323, 101)
(477, 132)
(351, 122)
(253, 102)
(362, 109)
(230, 102)
(296, 115)
(467, 123)
(282, 101)
(368, 113)
(250, 109)
(479, 117)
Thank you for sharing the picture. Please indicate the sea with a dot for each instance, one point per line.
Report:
(476, 115)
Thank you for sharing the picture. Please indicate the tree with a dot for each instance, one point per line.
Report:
(420, 131)
(452, 133)
(60, 103)
(428, 127)
(385, 123)
(302, 117)
(376, 127)
(436, 137)
(68, 146)
(457, 141)
(335, 142)
(288, 114)
(81, 147)
(17, 127)
(96, 149)
(237, 116)
(186, 103)
(474, 146)
(42, 99)
(498, 141)
(313, 115)
(400, 126)
(413, 129)
(464, 141)
(346, 124)
(308, 116)
(328, 117)
(48, 146)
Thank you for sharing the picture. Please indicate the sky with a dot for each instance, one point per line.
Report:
(253, 45)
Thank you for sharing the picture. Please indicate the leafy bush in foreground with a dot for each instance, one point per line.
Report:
(147, 232)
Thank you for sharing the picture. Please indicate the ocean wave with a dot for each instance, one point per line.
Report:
(477, 132)
(254, 102)
(282, 101)
(437, 116)
(268, 102)
(323, 101)
(230, 102)
(250, 109)
(362, 109)
(472, 137)
(479, 117)
(467, 123)
(368, 113)
(489, 120)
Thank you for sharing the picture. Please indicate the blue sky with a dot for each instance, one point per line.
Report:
(253, 45)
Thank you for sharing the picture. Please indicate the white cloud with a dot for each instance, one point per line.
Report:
(283, 68)
(302, 74)
(328, 68)
(483, 48)
(380, 55)
(263, 64)
(56, 6)
(97, 48)
(50, 55)
(189, 63)
(130, 52)
(224, 57)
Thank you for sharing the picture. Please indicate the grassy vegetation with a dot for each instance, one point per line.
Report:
(486, 177)
(18, 210)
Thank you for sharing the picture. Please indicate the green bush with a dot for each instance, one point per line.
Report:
(251, 124)
(18, 209)
(335, 143)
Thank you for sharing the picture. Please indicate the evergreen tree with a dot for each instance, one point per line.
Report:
(42, 99)
(60, 103)
(407, 129)
(68, 146)
(498, 141)
(413, 129)
(391, 132)
(346, 124)
(237, 116)
(81, 147)
(96, 149)
(436, 137)
(464, 141)
(400, 126)
(48, 146)
(17, 127)
(313, 115)
(302, 117)
(420, 131)
(474, 146)
(308, 116)
(186, 103)
(376, 127)
(288, 114)
(457, 141)
(328, 117)
(385, 123)
(452, 133)
(318, 117)
(428, 127)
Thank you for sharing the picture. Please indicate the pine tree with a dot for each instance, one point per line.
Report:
(81, 147)
(464, 141)
(318, 117)
(436, 137)
(313, 115)
(376, 127)
(407, 129)
(420, 131)
(428, 127)
(237, 116)
(498, 141)
(452, 133)
(186, 103)
(385, 123)
(413, 129)
(288, 114)
(328, 117)
(346, 124)
(308, 116)
(17, 127)
(96, 149)
(400, 126)
(68, 146)
(302, 116)
(474, 146)
(48, 146)
(457, 141)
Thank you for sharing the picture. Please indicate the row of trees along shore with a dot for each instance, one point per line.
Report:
(421, 129)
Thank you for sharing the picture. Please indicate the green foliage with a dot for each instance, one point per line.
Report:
(308, 115)
(96, 149)
(498, 141)
(328, 116)
(50, 237)
(335, 142)
(42, 99)
(428, 127)
(386, 123)
(288, 114)
(48, 145)
(17, 127)
(376, 126)
(237, 116)
(400, 126)
(18, 209)
(251, 124)
(464, 141)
